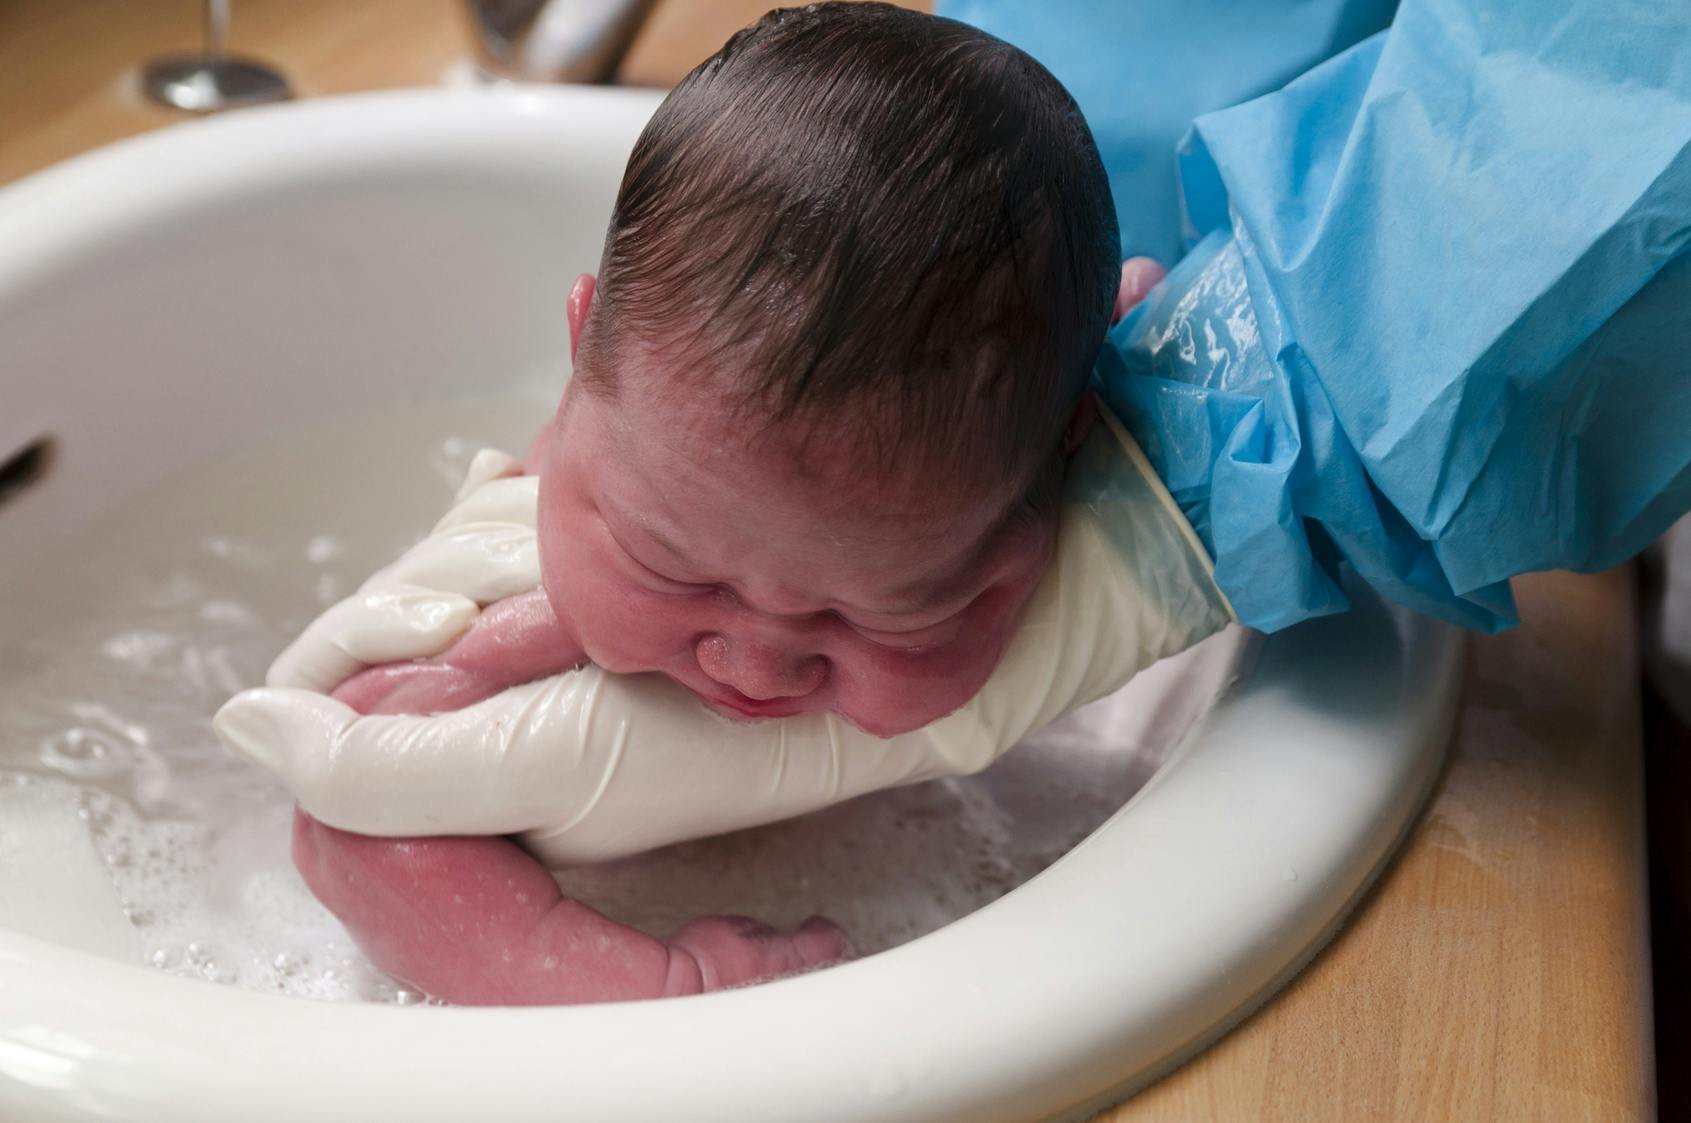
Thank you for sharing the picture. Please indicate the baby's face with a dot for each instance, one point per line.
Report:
(671, 541)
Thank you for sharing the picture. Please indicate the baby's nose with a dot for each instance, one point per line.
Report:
(760, 669)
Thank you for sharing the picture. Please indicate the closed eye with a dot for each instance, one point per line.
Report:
(658, 581)
(927, 635)
(669, 584)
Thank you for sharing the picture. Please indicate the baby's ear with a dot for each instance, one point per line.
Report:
(1080, 422)
(577, 306)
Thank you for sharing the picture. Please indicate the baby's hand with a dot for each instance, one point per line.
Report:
(1139, 275)
(513, 641)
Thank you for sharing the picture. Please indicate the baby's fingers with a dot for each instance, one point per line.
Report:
(398, 622)
(415, 688)
(727, 951)
(1139, 275)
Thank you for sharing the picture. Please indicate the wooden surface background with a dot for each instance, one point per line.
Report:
(1498, 971)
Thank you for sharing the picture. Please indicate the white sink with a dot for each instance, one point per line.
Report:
(175, 296)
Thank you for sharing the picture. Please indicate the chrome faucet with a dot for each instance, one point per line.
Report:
(213, 79)
(554, 40)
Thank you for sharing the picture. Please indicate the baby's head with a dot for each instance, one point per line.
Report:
(860, 265)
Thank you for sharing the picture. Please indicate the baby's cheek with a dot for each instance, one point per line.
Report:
(895, 693)
(628, 631)
(892, 692)
(623, 628)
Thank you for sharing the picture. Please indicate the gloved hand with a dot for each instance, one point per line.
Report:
(587, 765)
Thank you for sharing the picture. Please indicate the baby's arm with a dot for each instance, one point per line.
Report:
(514, 641)
(479, 921)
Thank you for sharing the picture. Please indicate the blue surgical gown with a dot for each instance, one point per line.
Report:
(1433, 322)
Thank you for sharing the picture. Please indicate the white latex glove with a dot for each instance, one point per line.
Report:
(483, 550)
(587, 765)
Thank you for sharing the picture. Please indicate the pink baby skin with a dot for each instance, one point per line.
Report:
(767, 580)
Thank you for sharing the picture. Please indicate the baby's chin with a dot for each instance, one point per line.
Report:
(721, 700)
(725, 702)
(745, 711)
(875, 725)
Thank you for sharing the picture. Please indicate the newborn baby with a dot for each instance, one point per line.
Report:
(827, 384)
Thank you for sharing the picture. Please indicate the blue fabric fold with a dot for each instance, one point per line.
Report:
(1141, 71)
(1435, 324)
(1463, 249)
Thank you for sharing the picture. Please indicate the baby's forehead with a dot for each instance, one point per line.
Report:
(719, 398)
(692, 439)
(846, 454)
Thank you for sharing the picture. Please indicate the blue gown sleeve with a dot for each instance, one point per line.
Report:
(1437, 324)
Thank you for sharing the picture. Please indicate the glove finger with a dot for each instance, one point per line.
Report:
(483, 561)
(513, 500)
(470, 771)
(275, 728)
(487, 464)
(380, 626)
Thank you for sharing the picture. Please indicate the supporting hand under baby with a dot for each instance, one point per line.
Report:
(587, 765)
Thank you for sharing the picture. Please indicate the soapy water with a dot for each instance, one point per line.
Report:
(115, 653)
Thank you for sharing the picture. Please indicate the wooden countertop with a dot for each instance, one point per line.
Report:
(1500, 968)
(69, 69)
(1498, 971)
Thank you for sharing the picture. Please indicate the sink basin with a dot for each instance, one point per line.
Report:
(279, 265)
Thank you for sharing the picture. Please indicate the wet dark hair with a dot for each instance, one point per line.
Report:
(862, 212)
